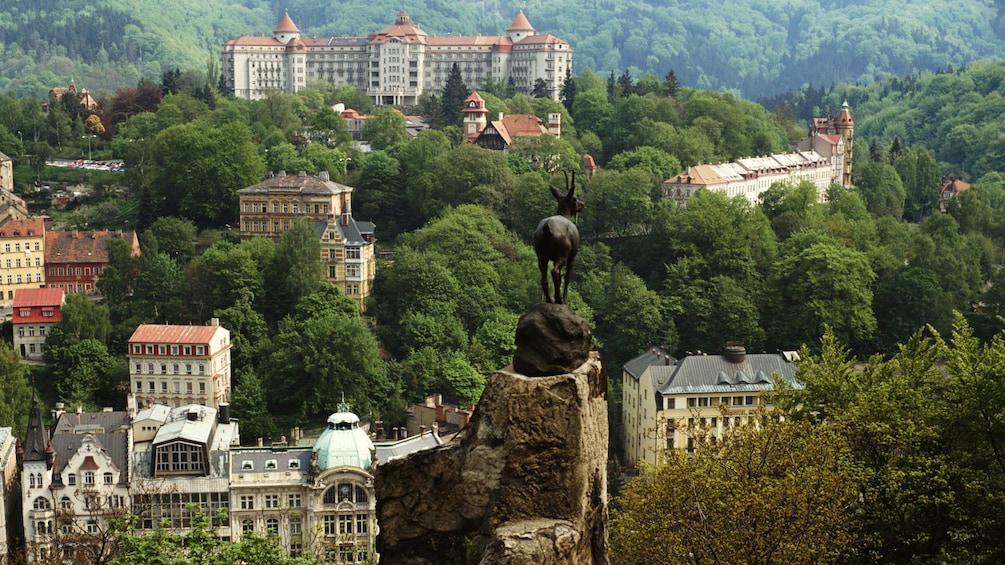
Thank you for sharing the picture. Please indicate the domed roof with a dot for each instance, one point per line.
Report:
(344, 443)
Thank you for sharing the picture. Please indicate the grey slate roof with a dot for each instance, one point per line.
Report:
(638, 365)
(259, 457)
(349, 232)
(114, 444)
(101, 422)
(391, 450)
(715, 373)
(308, 184)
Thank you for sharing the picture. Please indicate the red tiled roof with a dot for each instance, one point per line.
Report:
(286, 25)
(28, 297)
(523, 124)
(542, 39)
(520, 23)
(18, 228)
(84, 247)
(159, 333)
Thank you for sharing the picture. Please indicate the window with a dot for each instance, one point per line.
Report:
(247, 466)
(352, 253)
(703, 401)
(41, 503)
(71, 479)
(352, 270)
(296, 526)
(107, 478)
(272, 501)
(362, 523)
(164, 386)
(88, 477)
(150, 350)
(151, 384)
(272, 526)
(345, 523)
(188, 371)
(199, 350)
(691, 402)
(271, 464)
(328, 522)
(294, 501)
(294, 464)
(247, 502)
(174, 350)
(65, 503)
(247, 526)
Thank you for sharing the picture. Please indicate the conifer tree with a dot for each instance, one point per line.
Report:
(452, 99)
(568, 89)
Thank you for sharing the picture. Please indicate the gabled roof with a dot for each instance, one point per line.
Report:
(718, 373)
(86, 246)
(520, 23)
(286, 25)
(113, 445)
(4, 157)
(28, 297)
(403, 30)
(22, 228)
(162, 333)
(654, 356)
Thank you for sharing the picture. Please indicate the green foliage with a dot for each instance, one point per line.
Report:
(786, 489)
(295, 270)
(13, 389)
(385, 128)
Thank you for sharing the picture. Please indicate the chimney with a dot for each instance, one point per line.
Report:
(323, 175)
(555, 124)
(500, 116)
(734, 352)
(214, 321)
(224, 412)
(281, 174)
(302, 174)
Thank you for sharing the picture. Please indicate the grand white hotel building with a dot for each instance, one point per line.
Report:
(396, 65)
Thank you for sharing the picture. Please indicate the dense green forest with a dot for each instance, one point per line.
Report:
(757, 48)
(873, 264)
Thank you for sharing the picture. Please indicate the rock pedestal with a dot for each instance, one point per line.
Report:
(526, 483)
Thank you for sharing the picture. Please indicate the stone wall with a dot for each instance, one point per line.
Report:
(526, 482)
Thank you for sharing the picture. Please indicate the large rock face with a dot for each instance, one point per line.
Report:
(526, 482)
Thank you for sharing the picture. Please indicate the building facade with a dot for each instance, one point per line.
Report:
(270, 207)
(35, 312)
(674, 403)
(74, 259)
(180, 365)
(8, 490)
(395, 66)
(22, 250)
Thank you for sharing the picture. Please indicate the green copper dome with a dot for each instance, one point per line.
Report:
(344, 443)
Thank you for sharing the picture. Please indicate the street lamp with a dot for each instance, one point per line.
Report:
(88, 144)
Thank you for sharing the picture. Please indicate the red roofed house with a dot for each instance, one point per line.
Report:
(36, 310)
(21, 255)
(180, 365)
(950, 189)
(75, 259)
(823, 139)
(82, 95)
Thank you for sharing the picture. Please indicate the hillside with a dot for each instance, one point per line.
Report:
(755, 48)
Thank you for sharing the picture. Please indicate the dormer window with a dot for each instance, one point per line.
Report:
(294, 464)
(271, 464)
(247, 466)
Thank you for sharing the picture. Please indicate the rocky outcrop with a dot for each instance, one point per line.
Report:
(525, 483)
(551, 340)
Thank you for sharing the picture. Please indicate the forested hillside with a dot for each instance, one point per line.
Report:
(755, 48)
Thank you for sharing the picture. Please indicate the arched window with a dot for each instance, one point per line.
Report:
(330, 496)
(65, 503)
(361, 495)
(38, 479)
(41, 503)
(247, 526)
(272, 526)
(31, 480)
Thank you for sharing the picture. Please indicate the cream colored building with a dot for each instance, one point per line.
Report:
(395, 66)
(180, 365)
(671, 404)
(270, 207)
(22, 253)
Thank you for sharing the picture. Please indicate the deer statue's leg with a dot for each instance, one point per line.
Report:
(568, 275)
(556, 279)
(543, 266)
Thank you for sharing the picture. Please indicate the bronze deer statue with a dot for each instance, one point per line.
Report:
(556, 240)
